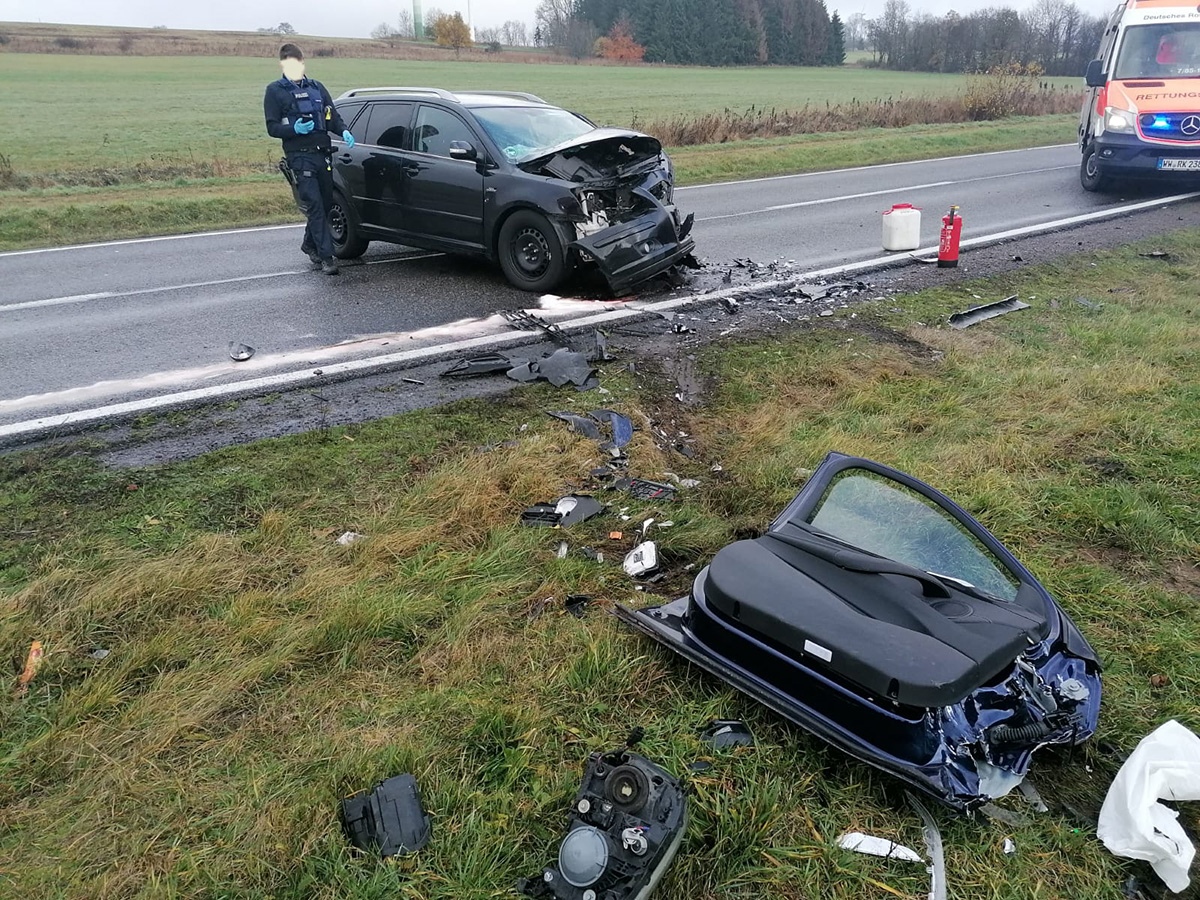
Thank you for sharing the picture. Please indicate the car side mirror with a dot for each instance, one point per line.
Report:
(1094, 77)
(462, 150)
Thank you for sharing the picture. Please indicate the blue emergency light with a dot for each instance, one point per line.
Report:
(1161, 122)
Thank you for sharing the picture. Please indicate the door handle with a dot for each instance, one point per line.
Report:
(412, 168)
(346, 158)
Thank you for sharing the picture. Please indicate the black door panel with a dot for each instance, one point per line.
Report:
(443, 197)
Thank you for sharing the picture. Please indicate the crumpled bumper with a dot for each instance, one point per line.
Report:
(639, 248)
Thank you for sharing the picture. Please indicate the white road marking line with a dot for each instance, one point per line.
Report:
(691, 187)
(31, 428)
(113, 295)
(899, 190)
(906, 162)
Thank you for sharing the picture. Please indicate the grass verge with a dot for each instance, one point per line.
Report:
(258, 671)
(49, 217)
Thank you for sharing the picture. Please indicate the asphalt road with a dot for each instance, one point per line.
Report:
(87, 326)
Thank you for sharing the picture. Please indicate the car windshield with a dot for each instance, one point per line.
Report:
(522, 132)
(1168, 50)
(884, 517)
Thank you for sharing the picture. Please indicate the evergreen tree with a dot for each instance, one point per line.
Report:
(835, 52)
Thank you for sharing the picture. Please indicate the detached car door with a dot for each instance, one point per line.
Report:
(444, 196)
(380, 158)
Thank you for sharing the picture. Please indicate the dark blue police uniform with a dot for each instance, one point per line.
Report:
(285, 103)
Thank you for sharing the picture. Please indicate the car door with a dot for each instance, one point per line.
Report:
(347, 162)
(380, 160)
(443, 196)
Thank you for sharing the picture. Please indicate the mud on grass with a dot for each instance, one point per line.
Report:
(258, 671)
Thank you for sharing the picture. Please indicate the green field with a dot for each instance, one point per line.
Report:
(164, 109)
(257, 671)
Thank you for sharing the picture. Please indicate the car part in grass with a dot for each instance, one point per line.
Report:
(933, 846)
(389, 818)
(484, 364)
(563, 513)
(722, 733)
(880, 616)
(869, 844)
(1165, 765)
(642, 560)
(982, 313)
(623, 830)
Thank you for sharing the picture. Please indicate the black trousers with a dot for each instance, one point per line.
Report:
(314, 187)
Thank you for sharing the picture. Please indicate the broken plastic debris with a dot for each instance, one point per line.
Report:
(564, 367)
(933, 846)
(486, 364)
(99, 653)
(622, 427)
(977, 314)
(390, 818)
(577, 604)
(33, 662)
(722, 733)
(1010, 848)
(583, 425)
(1156, 254)
(642, 560)
(240, 352)
(349, 538)
(1032, 797)
(527, 321)
(877, 846)
(1165, 765)
(563, 549)
(650, 490)
(542, 515)
(565, 512)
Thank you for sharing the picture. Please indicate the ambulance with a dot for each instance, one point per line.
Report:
(1141, 113)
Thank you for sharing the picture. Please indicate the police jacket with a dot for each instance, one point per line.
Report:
(287, 101)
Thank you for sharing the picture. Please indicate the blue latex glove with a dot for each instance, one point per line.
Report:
(304, 127)
(348, 138)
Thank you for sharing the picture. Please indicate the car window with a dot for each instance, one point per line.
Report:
(388, 125)
(436, 129)
(1159, 51)
(350, 114)
(523, 131)
(886, 518)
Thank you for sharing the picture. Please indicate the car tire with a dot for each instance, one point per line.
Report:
(343, 225)
(1090, 176)
(531, 252)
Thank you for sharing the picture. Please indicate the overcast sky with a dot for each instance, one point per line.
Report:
(355, 18)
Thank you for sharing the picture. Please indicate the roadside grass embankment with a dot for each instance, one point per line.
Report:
(257, 671)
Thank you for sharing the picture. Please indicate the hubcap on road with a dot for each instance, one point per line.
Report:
(531, 252)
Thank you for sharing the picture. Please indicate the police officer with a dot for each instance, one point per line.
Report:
(301, 113)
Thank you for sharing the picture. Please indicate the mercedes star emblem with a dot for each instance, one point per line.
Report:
(1190, 126)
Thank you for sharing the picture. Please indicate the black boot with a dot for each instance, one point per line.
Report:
(310, 251)
(329, 266)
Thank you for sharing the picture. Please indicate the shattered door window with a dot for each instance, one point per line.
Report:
(884, 517)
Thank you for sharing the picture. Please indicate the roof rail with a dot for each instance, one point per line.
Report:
(437, 92)
(532, 98)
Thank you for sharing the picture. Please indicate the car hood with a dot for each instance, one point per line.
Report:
(604, 152)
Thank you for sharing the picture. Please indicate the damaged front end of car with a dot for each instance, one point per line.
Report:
(878, 615)
(621, 206)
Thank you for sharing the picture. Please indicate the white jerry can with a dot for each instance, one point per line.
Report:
(902, 227)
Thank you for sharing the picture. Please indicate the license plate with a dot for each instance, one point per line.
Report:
(1179, 163)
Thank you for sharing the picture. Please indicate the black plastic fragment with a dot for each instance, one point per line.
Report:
(585, 508)
(240, 352)
(485, 364)
(565, 367)
(722, 733)
(577, 604)
(543, 515)
(582, 424)
(641, 489)
(390, 817)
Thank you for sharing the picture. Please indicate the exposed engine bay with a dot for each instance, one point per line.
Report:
(623, 829)
(622, 208)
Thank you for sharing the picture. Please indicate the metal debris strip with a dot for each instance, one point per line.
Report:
(933, 846)
(982, 313)
(582, 424)
(620, 426)
(484, 364)
(240, 352)
(871, 845)
(526, 321)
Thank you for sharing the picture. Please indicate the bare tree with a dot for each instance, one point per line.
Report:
(405, 23)
(554, 17)
(516, 34)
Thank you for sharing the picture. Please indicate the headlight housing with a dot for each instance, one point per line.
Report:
(1120, 121)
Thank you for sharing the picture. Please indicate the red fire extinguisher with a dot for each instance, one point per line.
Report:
(951, 233)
